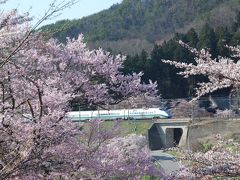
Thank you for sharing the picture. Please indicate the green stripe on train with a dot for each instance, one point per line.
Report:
(114, 117)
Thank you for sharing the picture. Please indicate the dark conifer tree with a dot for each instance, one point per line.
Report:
(223, 39)
(192, 38)
(207, 39)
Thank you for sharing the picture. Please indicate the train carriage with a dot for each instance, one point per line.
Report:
(138, 114)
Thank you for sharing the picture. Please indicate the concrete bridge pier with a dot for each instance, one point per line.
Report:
(167, 134)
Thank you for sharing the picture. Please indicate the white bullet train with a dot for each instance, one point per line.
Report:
(138, 114)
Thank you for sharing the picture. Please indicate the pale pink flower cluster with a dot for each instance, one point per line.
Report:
(38, 78)
(102, 155)
(224, 113)
(222, 160)
(222, 72)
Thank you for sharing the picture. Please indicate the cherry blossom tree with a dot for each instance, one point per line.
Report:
(223, 159)
(222, 72)
(38, 78)
(220, 161)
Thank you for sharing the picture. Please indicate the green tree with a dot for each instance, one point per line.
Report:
(207, 39)
(236, 24)
(223, 39)
(192, 38)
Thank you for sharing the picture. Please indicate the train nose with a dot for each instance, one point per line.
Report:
(169, 115)
(166, 114)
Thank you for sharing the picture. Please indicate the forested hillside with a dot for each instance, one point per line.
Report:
(171, 85)
(148, 31)
(134, 25)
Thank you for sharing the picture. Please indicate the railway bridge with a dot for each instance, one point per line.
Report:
(166, 133)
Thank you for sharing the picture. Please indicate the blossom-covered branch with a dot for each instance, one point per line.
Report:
(222, 160)
(37, 80)
(222, 72)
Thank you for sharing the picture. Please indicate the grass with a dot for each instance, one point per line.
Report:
(174, 153)
(132, 126)
(150, 178)
(139, 127)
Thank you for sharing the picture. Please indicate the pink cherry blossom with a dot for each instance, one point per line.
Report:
(38, 78)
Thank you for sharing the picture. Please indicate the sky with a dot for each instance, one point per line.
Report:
(36, 8)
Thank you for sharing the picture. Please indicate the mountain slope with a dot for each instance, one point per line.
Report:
(134, 25)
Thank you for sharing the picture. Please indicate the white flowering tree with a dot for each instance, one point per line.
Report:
(38, 78)
(222, 72)
(222, 160)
